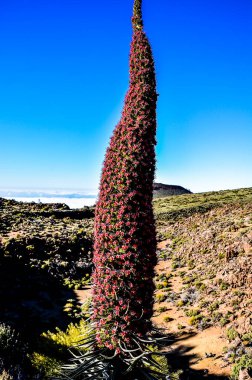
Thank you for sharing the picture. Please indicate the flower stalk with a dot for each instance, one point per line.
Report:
(125, 236)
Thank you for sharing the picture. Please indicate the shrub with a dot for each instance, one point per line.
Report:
(244, 362)
(13, 354)
(160, 297)
(224, 321)
(162, 309)
(73, 334)
(53, 348)
(12, 348)
(247, 336)
(180, 303)
(224, 286)
(214, 306)
(195, 320)
(168, 319)
(192, 312)
(45, 365)
(231, 333)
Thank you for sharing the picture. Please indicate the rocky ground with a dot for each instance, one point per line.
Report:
(49, 236)
(204, 275)
(204, 278)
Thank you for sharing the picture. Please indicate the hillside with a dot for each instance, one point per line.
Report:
(204, 275)
(45, 250)
(206, 250)
(161, 190)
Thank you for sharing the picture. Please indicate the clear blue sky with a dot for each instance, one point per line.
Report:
(64, 74)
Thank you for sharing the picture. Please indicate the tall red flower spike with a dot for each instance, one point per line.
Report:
(121, 334)
(125, 236)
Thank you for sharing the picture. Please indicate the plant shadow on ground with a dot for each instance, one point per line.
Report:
(32, 300)
(180, 358)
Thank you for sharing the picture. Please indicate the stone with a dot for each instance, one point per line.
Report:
(247, 247)
(244, 375)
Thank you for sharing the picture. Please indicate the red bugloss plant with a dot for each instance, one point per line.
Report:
(121, 339)
(125, 236)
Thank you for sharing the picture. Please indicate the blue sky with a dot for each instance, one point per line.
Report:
(64, 74)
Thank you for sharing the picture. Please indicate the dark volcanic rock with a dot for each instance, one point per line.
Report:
(162, 190)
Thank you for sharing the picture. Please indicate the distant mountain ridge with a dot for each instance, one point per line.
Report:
(162, 190)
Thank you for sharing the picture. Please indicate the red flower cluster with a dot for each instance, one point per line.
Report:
(125, 237)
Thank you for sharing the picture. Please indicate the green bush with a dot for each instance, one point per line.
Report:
(247, 336)
(168, 319)
(164, 367)
(160, 297)
(180, 303)
(71, 337)
(224, 286)
(55, 345)
(195, 320)
(162, 285)
(14, 363)
(231, 333)
(192, 313)
(214, 306)
(162, 309)
(12, 348)
(244, 362)
(45, 365)
(224, 321)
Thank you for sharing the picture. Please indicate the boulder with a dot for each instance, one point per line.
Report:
(244, 375)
